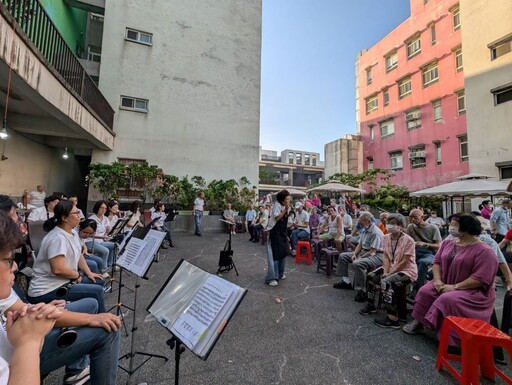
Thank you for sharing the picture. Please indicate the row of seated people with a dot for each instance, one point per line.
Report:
(464, 267)
(66, 268)
(62, 281)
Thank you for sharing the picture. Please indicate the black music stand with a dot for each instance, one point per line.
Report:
(226, 262)
(139, 265)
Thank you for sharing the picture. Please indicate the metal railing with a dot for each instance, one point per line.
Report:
(39, 28)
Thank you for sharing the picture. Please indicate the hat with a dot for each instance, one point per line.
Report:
(298, 205)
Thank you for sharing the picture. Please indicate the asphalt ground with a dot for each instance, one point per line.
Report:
(301, 332)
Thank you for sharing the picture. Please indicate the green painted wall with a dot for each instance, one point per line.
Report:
(71, 22)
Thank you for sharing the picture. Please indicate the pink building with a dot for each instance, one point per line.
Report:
(410, 98)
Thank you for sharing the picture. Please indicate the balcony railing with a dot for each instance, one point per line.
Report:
(42, 33)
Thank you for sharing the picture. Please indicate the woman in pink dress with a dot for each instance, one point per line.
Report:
(463, 283)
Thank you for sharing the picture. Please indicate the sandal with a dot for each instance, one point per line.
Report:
(413, 329)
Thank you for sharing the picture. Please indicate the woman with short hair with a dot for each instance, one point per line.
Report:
(100, 244)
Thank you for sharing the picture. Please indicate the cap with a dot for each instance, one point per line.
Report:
(298, 205)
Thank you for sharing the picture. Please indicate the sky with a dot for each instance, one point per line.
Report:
(309, 49)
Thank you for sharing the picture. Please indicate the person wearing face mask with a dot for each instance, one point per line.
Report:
(486, 209)
(463, 284)
(500, 220)
(366, 257)
(397, 271)
(427, 238)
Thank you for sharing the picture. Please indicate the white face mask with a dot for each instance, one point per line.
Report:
(393, 228)
(454, 231)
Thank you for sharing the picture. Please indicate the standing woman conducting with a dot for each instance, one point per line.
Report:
(277, 247)
(56, 268)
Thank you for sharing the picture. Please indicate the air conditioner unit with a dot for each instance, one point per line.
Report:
(417, 154)
(413, 116)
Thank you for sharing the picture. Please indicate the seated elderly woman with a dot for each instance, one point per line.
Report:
(56, 268)
(463, 284)
(398, 270)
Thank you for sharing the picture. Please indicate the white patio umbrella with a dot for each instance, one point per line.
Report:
(467, 185)
(335, 186)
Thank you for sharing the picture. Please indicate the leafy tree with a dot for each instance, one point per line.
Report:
(108, 178)
(268, 177)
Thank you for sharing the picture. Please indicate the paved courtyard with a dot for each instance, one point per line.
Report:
(300, 332)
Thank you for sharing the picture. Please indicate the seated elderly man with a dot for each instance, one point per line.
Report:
(229, 215)
(366, 257)
(332, 228)
(97, 335)
(300, 226)
(427, 238)
(347, 220)
(260, 223)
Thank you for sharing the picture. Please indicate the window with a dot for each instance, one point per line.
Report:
(413, 119)
(437, 148)
(456, 17)
(404, 87)
(414, 47)
(391, 61)
(94, 53)
(463, 148)
(387, 128)
(433, 34)
(298, 158)
(139, 36)
(502, 94)
(385, 95)
(501, 47)
(436, 106)
(370, 164)
(307, 159)
(418, 157)
(506, 172)
(135, 104)
(461, 102)
(396, 160)
(458, 59)
(430, 74)
(372, 133)
(369, 76)
(372, 103)
(313, 160)
(291, 157)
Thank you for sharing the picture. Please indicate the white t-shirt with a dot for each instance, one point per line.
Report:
(347, 221)
(6, 349)
(161, 218)
(274, 212)
(102, 224)
(302, 219)
(57, 242)
(39, 214)
(37, 198)
(198, 204)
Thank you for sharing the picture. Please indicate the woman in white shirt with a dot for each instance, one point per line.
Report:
(160, 215)
(101, 245)
(56, 268)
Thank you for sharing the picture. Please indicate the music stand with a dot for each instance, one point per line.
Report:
(137, 257)
(226, 262)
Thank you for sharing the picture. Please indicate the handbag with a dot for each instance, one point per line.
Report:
(225, 255)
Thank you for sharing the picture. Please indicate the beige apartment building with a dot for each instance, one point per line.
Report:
(344, 155)
(487, 57)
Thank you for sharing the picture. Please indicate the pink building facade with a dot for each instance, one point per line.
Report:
(411, 101)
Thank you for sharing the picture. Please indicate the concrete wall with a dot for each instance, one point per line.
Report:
(489, 126)
(445, 131)
(343, 155)
(30, 163)
(201, 77)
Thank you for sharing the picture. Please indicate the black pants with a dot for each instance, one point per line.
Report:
(392, 290)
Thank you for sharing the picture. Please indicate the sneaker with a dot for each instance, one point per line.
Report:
(79, 378)
(162, 246)
(411, 328)
(283, 277)
(272, 283)
(251, 239)
(342, 285)
(107, 287)
(106, 275)
(361, 296)
(198, 234)
(368, 309)
(117, 268)
(386, 323)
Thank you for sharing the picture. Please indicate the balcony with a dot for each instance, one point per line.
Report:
(56, 96)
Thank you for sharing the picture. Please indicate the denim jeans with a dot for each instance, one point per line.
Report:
(296, 235)
(271, 275)
(198, 217)
(104, 250)
(279, 268)
(423, 264)
(93, 345)
(77, 292)
(95, 263)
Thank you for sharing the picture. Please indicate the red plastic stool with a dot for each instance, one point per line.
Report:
(477, 339)
(303, 253)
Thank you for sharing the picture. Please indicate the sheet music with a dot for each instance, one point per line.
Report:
(202, 311)
(140, 253)
(129, 259)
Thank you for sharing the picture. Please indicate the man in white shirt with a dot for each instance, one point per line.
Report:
(300, 226)
(38, 196)
(347, 220)
(198, 213)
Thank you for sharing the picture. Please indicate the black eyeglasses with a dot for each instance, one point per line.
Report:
(10, 261)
